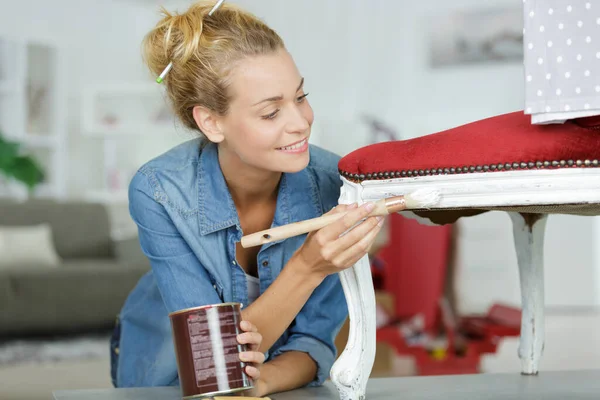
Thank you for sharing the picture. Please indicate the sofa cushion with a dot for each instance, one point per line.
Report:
(22, 246)
(504, 142)
(79, 229)
(79, 294)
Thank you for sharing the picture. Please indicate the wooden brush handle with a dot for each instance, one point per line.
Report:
(298, 228)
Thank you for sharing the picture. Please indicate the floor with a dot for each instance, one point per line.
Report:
(571, 344)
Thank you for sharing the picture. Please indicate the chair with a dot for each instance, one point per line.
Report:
(500, 163)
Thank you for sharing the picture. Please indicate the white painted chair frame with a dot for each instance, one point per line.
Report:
(351, 371)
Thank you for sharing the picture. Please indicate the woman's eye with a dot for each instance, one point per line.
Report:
(301, 98)
(270, 116)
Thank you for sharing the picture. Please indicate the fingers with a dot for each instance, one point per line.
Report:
(253, 372)
(334, 230)
(355, 245)
(342, 208)
(358, 233)
(254, 357)
(248, 326)
(252, 339)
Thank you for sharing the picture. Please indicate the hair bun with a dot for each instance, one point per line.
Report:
(201, 48)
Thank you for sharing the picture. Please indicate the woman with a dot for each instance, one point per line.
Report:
(234, 83)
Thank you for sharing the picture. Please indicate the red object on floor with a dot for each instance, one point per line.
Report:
(487, 331)
(480, 335)
(451, 365)
(500, 321)
(425, 362)
(413, 270)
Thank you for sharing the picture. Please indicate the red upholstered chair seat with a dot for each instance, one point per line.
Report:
(501, 143)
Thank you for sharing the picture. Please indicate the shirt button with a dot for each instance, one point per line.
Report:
(233, 262)
(265, 263)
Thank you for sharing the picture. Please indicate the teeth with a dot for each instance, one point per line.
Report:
(296, 146)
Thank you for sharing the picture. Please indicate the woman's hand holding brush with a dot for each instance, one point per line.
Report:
(328, 250)
(338, 239)
(422, 198)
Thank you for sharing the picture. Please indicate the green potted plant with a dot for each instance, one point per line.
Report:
(15, 165)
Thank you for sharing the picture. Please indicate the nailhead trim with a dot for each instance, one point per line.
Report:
(472, 168)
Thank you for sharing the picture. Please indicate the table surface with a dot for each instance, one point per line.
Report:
(572, 385)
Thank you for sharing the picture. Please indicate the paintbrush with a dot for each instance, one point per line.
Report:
(422, 198)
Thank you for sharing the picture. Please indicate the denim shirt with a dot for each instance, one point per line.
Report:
(188, 228)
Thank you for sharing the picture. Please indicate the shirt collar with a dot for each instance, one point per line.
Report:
(297, 199)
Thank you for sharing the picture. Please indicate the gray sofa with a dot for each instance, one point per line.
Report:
(87, 290)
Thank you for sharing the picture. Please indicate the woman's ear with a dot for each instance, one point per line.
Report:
(208, 124)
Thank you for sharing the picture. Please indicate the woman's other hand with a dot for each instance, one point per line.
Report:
(253, 358)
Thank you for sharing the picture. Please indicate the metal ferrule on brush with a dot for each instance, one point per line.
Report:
(395, 204)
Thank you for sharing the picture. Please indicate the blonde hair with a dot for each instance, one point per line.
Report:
(204, 49)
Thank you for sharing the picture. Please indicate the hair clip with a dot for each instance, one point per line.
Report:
(161, 78)
(164, 73)
(216, 7)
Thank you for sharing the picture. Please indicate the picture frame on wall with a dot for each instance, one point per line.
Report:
(475, 37)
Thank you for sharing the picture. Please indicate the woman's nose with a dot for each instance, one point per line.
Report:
(298, 121)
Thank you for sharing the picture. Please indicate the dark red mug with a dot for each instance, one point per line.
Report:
(207, 350)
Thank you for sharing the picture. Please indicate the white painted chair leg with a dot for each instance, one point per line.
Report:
(352, 369)
(528, 231)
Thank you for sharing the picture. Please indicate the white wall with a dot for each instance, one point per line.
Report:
(101, 42)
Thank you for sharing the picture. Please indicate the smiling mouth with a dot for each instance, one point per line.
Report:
(294, 146)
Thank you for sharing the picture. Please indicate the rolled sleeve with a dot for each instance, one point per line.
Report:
(317, 350)
(316, 326)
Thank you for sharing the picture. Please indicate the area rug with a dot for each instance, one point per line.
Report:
(51, 350)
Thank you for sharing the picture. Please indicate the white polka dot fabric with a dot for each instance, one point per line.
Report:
(562, 59)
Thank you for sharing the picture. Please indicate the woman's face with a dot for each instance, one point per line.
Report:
(269, 119)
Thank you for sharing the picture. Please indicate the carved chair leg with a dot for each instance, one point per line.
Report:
(352, 369)
(528, 232)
